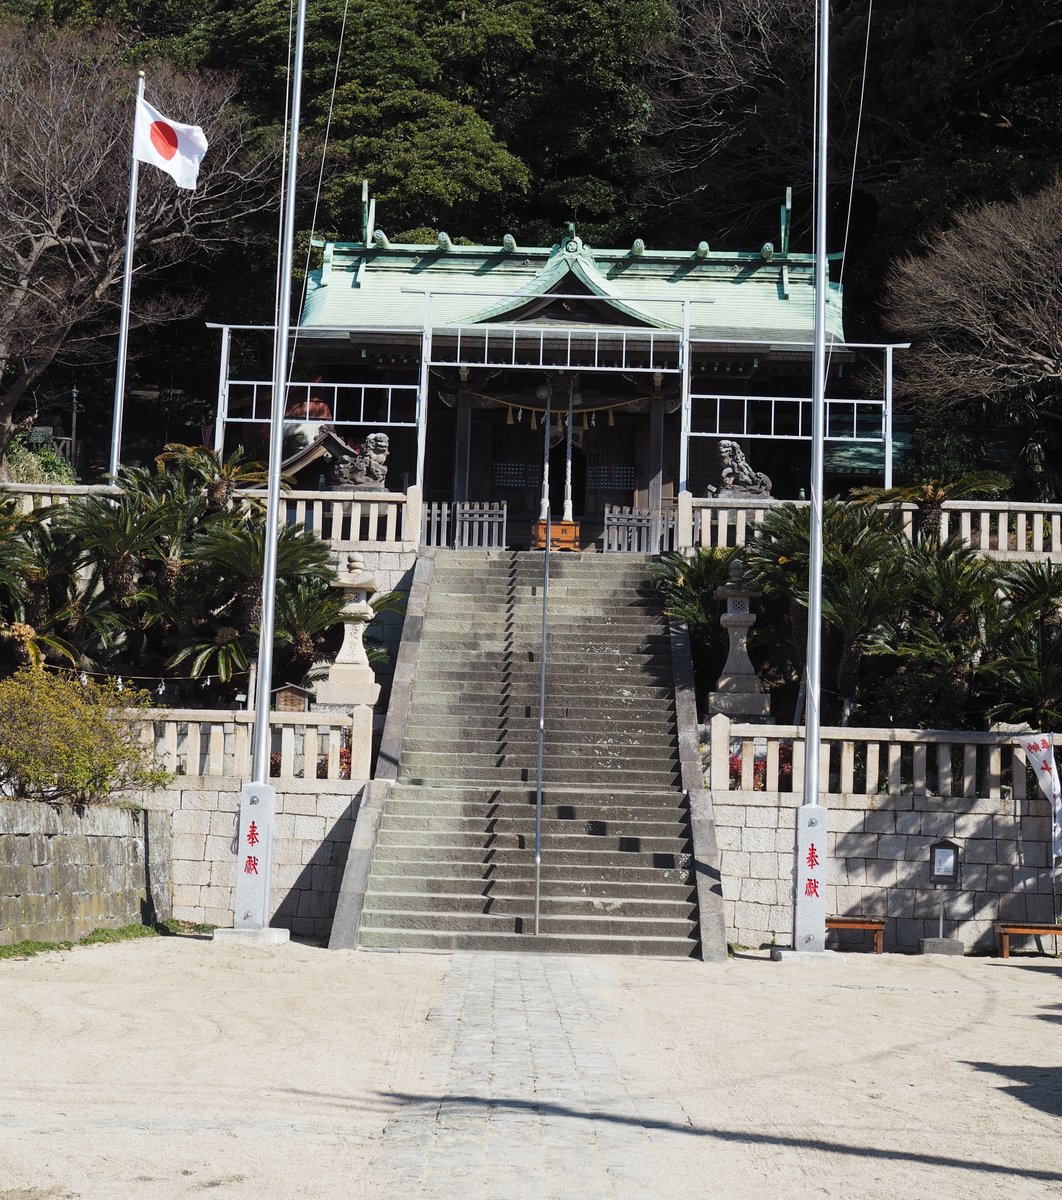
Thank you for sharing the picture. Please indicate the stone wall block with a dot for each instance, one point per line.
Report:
(728, 838)
(194, 799)
(973, 825)
(310, 829)
(880, 821)
(873, 902)
(336, 807)
(1035, 829)
(913, 873)
(980, 850)
(223, 824)
(900, 902)
(195, 873)
(760, 818)
(762, 866)
(858, 845)
(937, 824)
(222, 874)
(1040, 907)
(219, 847)
(909, 822)
(918, 848)
(319, 855)
(297, 804)
(759, 891)
(892, 846)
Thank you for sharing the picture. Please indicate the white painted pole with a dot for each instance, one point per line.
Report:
(888, 416)
(809, 907)
(127, 291)
(422, 390)
(223, 390)
(254, 860)
(684, 436)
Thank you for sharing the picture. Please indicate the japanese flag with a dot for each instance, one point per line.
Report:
(174, 148)
(1041, 752)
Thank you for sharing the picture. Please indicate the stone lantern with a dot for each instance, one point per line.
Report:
(737, 691)
(350, 685)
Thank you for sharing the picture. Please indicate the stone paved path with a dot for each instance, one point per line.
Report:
(530, 1067)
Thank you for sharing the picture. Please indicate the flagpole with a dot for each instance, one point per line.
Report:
(810, 877)
(252, 901)
(127, 289)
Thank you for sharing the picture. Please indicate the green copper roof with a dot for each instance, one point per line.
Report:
(736, 296)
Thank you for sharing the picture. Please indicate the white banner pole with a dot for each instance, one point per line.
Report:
(127, 289)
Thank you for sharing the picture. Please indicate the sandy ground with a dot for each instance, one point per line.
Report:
(176, 1068)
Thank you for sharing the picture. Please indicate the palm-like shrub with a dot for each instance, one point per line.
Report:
(930, 497)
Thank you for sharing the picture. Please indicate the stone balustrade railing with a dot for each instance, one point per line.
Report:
(863, 763)
(217, 742)
(1008, 530)
(348, 520)
(34, 496)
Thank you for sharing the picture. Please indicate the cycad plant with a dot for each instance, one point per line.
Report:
(931, 496)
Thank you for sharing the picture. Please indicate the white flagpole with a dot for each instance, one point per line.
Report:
(254, 863)
(127, 289)
(809, 900)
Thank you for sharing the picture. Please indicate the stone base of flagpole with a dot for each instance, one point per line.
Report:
(253, 937)
(819, 958)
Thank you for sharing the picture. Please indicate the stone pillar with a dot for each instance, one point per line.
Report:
(737, 691)
(350, 685)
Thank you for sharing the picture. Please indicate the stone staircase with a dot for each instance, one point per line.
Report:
(453, 864)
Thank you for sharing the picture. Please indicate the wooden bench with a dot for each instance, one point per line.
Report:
(1005, 930)
(877, 924)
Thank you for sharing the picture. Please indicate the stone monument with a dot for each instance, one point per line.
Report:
(737, 691)
(350, 685)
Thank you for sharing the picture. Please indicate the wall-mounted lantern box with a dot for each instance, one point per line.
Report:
(944, 862)
(943, 868)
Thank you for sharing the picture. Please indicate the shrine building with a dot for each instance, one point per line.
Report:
(600, 380)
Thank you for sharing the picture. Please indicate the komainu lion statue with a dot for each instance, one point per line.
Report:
(736, 476)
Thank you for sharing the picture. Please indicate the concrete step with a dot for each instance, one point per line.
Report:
(503, 857)
(515, 874)
(555, 794)
(420, 939)
(524, 740)
(522, 885)
(501, 825)
(561, 836)
(508, 776)
(607, 925)
(444, 752)
(672, 810)
(522, 905)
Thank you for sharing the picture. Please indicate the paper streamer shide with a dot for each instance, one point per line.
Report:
(1041, 752)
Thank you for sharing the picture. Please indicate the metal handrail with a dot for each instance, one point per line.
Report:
(541, 725)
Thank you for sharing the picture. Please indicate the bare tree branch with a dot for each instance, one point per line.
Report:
(66, 124)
